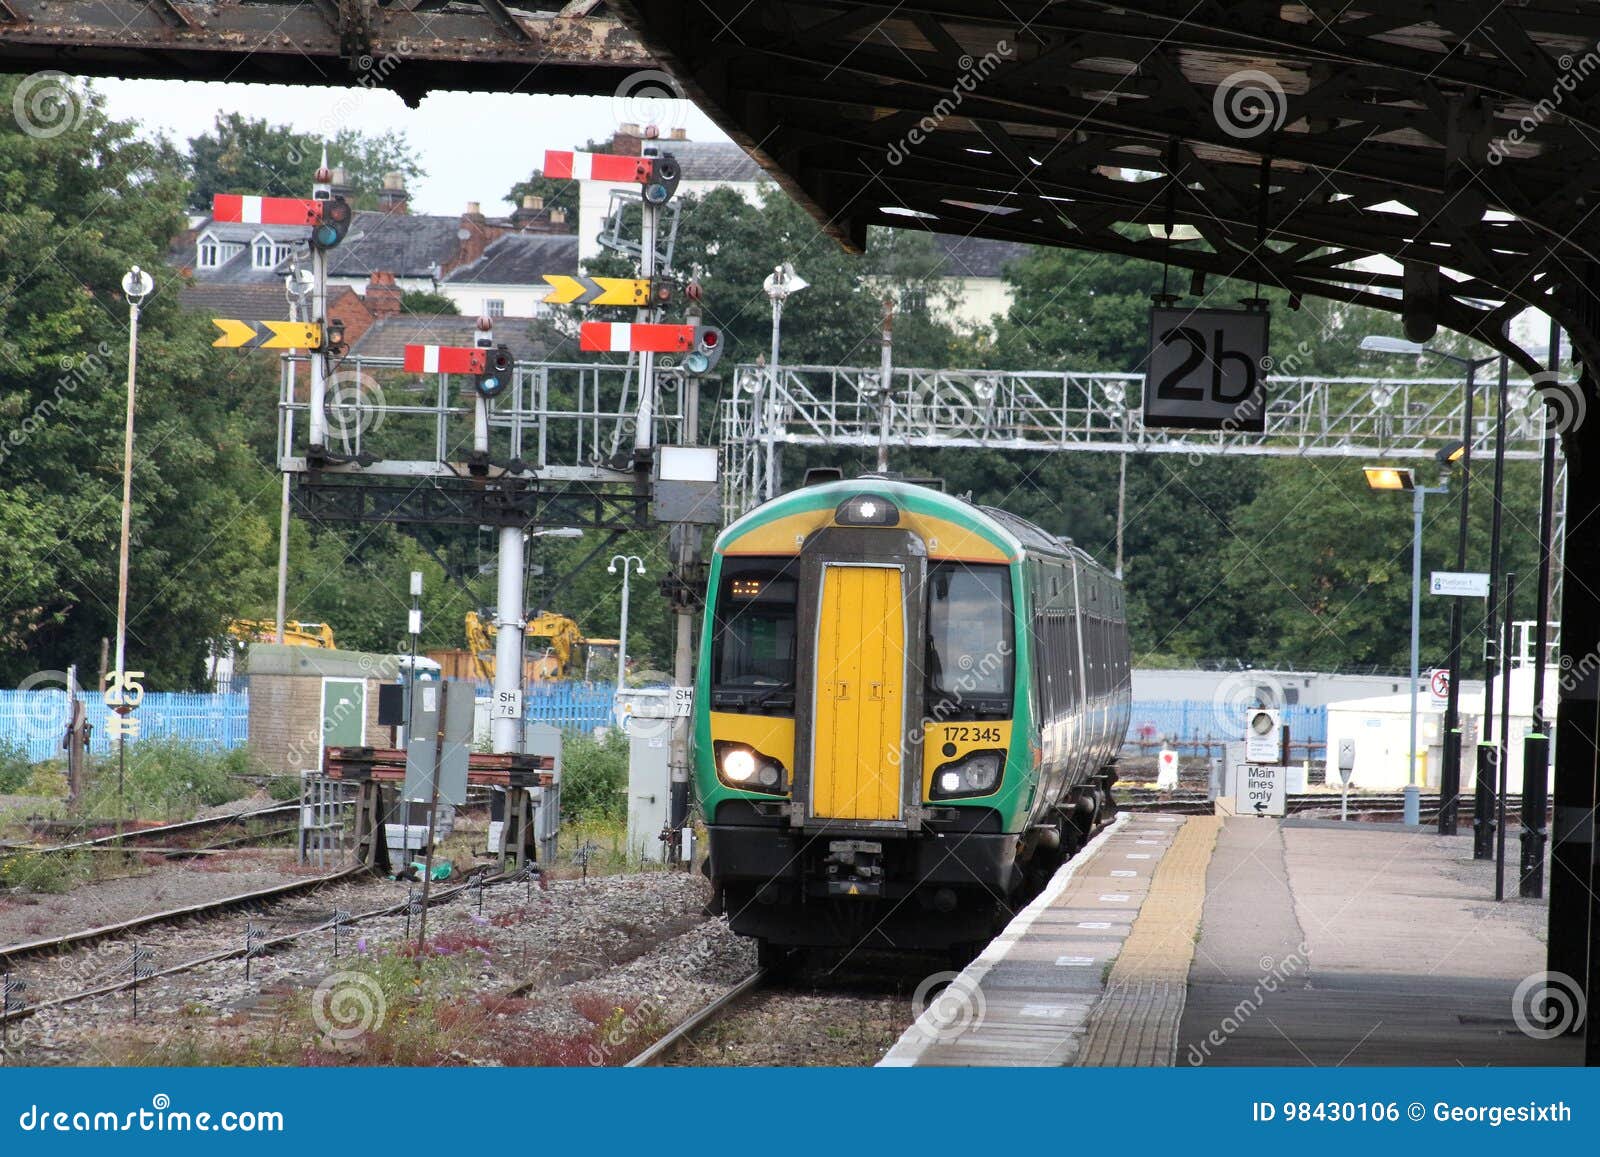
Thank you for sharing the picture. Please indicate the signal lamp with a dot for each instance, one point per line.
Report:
(333, 224)
(663, 180)
(707, 350)
(496, 375)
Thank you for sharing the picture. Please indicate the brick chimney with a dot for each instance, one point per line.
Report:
(383, 295)
(339, 184)
(529, 213)
(392, 198)
(627, 140)
(475, 235)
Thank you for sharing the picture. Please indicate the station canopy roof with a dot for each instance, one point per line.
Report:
(1288, 143)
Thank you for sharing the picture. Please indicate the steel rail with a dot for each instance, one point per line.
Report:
(697, 1020)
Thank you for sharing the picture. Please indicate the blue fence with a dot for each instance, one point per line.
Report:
(577, 708)
(1188, 725)
(37, 720)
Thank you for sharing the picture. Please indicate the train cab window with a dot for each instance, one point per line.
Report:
(971, 646)
(753, 649)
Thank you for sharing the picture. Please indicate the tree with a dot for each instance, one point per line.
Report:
(95, 199)
(425, 303)
(248, 155)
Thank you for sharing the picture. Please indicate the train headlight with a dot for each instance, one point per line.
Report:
(976, 774)
(739, 765)
(743, 767)
(867, 510)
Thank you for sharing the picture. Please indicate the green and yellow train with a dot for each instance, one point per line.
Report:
(907, 714)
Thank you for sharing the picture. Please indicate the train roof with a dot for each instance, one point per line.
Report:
(1013, 535)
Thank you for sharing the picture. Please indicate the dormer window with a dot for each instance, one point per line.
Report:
(263, 253)
(209, 255)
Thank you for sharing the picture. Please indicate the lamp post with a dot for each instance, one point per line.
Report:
(1400, 478)
(1450, 773)
(779, 285)
(136, 285)
(622, 633)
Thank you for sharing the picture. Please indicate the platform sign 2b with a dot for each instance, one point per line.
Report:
(1207, 370)
(1259, 789)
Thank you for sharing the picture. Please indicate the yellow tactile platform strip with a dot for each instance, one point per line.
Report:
(1136, 1021)
(1029, 996)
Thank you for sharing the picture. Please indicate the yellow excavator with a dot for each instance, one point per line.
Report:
(567, 654)
(295, 633)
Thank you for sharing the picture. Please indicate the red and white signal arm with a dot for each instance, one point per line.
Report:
(444, 359)
(623, 337)
(580, 166)
(237, 209)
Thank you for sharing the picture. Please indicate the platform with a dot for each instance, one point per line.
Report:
(1205, 941)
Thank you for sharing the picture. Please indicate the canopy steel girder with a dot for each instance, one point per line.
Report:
(410, 46)
(1035, 117)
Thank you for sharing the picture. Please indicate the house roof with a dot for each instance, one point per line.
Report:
(712, 161)
(520, 259)
(255, 302)
(404, 244)
(388, 336)
(977, 256)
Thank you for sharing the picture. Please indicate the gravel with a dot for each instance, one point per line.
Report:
(635, 942)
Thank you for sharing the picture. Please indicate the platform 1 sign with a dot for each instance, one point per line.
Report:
(1207, 370)
(1465, 584)
(1259, 789)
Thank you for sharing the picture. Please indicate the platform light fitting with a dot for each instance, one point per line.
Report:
(1451, 454)
(1389, 477)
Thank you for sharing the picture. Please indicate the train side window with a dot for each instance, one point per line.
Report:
(971, 649)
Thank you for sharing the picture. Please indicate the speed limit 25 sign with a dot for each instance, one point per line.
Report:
(1206, 370)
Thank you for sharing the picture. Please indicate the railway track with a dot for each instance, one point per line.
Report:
(698, 1020)
(77, 940)
(161, 835)
(82, 938)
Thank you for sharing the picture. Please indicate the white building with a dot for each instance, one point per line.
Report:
(1380, 728)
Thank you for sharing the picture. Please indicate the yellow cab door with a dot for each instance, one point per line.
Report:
(860, 681)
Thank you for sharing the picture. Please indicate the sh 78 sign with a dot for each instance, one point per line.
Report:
(1205, 370)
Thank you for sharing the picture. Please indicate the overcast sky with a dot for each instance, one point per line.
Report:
(474, 146)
